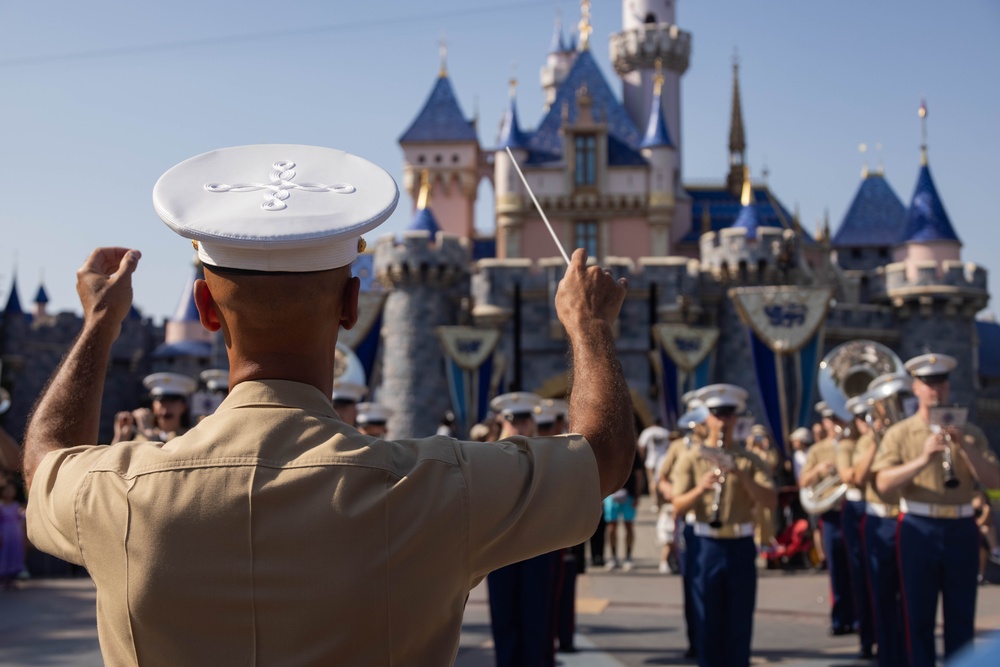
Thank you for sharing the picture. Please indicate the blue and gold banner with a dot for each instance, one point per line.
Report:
(683, 362)
(473, 368)
(785, 326)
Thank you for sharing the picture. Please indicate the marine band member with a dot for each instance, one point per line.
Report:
(821, 461)
(721, 482)
(346, 396)
(938, 539)
(168, 417)
(372, 418)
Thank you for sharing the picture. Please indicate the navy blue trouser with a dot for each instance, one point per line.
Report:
(725, 593)
(938, 555)
(689, 565)
(841, 602)
(880, 544)
(522, 611)
(851, 519)
(566, 606)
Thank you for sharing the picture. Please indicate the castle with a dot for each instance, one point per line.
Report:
(448, 317)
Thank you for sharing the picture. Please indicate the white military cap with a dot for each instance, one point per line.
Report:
(723, 395)
(697, 414)
(216, 379)
(373, 413)
(758, 429)
(348, 392)
(927, 365)
(545, 414)
(275, 207)
(802, 435)
(559, 406)
(886, 385)
(687, 397)
(169, 384)
(857, 405)
(825, 410)
(516, 404)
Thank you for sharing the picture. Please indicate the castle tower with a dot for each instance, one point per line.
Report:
(737, 138)
(928, 237)
(649, 32)
(13, 306)
(557, 63)
(873, 224)
(661, 154)
(510, 194)
(427, 278)
(444, 143)
(41, 303)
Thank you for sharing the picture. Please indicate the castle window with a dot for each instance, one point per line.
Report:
(855, 253)
(454, 157)
(437, 159)
(421, 159)
(883, 253)
(586, 160)
(586, 237)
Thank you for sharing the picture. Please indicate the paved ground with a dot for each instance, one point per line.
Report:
(625, 619)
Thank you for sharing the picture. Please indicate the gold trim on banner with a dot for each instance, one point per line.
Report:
(369, 308)
(784, 317)
(687, 346)
(468, 347)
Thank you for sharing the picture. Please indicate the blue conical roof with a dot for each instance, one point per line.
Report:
(656, 130)
(510, 130)
(41, 296)
(558, 44)
(424, 221)
(876, 217)
(749, 220)
(926, 220)
(13, 306)
(441, 118)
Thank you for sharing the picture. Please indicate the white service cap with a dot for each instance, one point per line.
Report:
(216, 379)
(825, 410)
(857, 405)
(275, 207)
(802, 435)
(931, 364)
(169, 384)
(516, 404)
(723, 395)
(373, 413)
(348, 392)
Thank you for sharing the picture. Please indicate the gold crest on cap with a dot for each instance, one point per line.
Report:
(362, 245)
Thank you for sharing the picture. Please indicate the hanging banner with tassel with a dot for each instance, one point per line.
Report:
(473, 368)
(683, 363)
(785, 328)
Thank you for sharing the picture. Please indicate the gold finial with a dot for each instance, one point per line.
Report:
(584, 27)
(863, 149)
(923, 132)
(658, 78)
(747, 195)
(819, 230)
(880, 170)
(423, 199)
(443, 50)
(513, 80)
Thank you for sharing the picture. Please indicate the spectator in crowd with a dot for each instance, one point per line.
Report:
(621, 505)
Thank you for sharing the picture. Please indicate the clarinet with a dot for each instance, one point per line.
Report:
(716, 521)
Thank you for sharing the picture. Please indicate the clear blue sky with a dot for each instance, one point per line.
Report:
(97, 99)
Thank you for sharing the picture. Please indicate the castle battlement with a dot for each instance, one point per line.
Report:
(413, 256)
(953, 285)
(729, 250)
(639, 47)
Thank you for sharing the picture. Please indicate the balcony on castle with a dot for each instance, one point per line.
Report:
(639, 47)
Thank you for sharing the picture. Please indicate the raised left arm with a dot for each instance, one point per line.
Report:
(68, 413)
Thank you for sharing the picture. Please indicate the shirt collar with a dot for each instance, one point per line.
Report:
(284, 393)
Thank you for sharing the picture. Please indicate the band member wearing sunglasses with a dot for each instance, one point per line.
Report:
(720, 483)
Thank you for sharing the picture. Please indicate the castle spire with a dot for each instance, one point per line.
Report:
(443, 50)
(923, 133)
(13, 306)
(558, 44)
(737, 138)
(584, 28)
(863, 149)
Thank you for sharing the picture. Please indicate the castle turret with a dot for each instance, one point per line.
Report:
(928, 236)
(661, 154)
(873, 224)
(444, 143)
(188, 347)
(13, 306)
(649, 32)
(41, 303)
(509, 190)
(557, 63)
(427, 278)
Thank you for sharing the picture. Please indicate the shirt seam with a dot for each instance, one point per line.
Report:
(229, 462)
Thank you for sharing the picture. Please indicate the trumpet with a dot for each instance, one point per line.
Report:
(717, 488)
(951, 480)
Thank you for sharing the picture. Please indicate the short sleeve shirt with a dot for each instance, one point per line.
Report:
(904, 442)
(295, 539)
(824, 451)
(674, 452)
(736, 505)
(872, 494)
(846, 453)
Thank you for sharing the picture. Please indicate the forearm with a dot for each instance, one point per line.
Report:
(847, 475)
(809, 477)
(863, 468)
(762, 495)
(600, 404)
(896, 477)
(686, 501)
(666, 489)
(69, 410)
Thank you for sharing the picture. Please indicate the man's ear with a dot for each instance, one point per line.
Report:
(207, 311)
(349, 303)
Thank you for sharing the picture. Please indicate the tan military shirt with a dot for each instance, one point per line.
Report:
(872, 495)
(274, 534)
(674, 452)
(824, 451)
(846, 454)
(736, 505)
(904, 442)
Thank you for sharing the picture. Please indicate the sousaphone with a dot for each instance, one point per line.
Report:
(844, 373)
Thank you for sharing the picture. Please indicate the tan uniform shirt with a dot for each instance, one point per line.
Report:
(674, 452)
(904, 442)
(736, 505)
(824, 451)
(274, 534)
(846, 454)
(864, 445)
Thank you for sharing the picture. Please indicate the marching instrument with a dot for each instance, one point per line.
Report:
(845, 372)
(941, 417)
(723, 464)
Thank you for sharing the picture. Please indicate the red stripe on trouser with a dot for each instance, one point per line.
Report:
(902, 588)
(867, 571)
